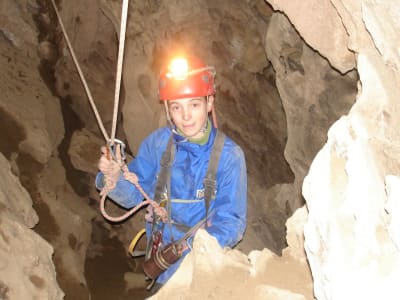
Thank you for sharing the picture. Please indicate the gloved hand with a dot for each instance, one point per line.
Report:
(110, 168)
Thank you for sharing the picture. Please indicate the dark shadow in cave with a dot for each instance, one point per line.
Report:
(12, 134)
(106, 265)
(79, 180)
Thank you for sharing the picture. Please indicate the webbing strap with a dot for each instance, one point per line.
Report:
(162, 191)
(210, 183)
(166, 162)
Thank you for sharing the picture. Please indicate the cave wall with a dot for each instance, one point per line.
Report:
(351, 190)
(26, 265)
(57, 229)
(271, 116)
(351, 236)
(248, 105)
(314, 95)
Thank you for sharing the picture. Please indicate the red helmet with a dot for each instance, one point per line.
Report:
(186, 78)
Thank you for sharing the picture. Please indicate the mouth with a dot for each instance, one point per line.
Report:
(188, 126)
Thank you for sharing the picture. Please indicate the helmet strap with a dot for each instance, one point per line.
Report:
(213, 113)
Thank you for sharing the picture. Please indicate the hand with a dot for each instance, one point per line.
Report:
(183, 246)
(130, 176)
(110, 168)
(159, 211)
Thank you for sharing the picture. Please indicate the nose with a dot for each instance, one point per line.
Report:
(186, 114)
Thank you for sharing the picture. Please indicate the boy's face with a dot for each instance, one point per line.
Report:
(190, 114)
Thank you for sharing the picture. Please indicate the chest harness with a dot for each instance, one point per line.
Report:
(157, 257)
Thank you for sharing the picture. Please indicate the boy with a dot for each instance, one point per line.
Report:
(187, 89)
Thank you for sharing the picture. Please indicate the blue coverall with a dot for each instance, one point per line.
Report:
(228, 221)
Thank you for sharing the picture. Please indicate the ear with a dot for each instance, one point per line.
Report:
(210, 102)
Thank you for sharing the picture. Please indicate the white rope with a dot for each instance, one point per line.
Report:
(115, 113)
(124, 17)
(85, 85)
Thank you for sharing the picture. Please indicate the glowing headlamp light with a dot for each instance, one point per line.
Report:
(178, 69)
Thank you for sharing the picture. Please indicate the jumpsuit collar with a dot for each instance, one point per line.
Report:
(189, 145)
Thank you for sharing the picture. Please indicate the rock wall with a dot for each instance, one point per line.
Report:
(313, 94)
(214, 273)
(351, 236)
(248, 105)
(27, 269)
(278, 95)
(274, 130)
(33, 141)
(352, 188)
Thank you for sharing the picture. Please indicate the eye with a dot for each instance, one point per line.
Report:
(196, 103)
(174, 108)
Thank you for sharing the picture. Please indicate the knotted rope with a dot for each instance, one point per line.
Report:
(110, 141)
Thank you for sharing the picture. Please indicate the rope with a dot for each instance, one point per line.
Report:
(124, 17)
(85, 85)
(131, 177)
(116, 101)
(125, 215)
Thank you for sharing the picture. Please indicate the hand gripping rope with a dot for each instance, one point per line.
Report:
(110, 141)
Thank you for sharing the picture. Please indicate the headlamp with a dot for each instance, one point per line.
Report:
(178, 69)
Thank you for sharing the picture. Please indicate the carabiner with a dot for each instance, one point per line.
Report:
(112, 148)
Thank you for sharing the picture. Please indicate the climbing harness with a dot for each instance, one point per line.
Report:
(158, 258)
(164, 258)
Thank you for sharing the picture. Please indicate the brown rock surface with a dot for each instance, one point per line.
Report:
(287, 93)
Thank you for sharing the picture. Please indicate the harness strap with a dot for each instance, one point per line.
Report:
(163, 186)
(162, 192)
(166, 163)
(210, 183)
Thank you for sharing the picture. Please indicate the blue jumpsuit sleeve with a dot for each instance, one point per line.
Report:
(228, 210)
(125, 193)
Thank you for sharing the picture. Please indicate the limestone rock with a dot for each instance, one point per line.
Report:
(211, 272)
(16, 24)
(352, 188)
(313, 95)
(82, 147)
(14, 199)
(322, 28)
(349, 237)
(27, 269)
(26, 100)
(66, 224)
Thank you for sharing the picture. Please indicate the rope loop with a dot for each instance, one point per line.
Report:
(111, 141)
